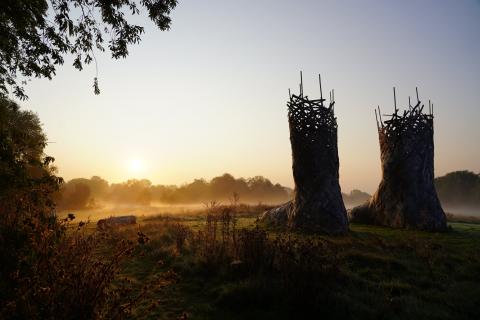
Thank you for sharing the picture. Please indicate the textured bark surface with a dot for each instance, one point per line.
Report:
(317, 205)
(406, 196)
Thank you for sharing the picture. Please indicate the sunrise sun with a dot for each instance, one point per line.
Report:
(135, 165)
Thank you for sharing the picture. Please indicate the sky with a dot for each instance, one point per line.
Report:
(209, 96)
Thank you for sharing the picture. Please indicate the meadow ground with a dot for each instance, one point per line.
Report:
(206, 268)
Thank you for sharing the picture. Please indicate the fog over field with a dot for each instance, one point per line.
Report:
(111, 209)
(95, 198)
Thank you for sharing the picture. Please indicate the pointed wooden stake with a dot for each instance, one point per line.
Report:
(394, 100)
(301, 84)
(321, 93)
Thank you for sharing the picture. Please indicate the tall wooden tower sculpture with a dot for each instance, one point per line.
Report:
(406, 196)
(317, 205)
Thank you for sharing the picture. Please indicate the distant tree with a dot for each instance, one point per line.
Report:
(132, 191)
(259, 186)
(98, 187)
(80, 193)
(35, 35)
(144, 197)
(165, 194)
(355, 197)
(262, 189)
(197, 191)
(459, 188)
(222, 187)
(76, 194)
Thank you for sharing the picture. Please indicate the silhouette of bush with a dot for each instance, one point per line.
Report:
(50, 268)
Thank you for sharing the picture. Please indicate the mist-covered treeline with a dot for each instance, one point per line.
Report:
(459, 188)
(83, 193)
(355, 198)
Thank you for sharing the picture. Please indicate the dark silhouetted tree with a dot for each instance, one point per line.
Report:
(459, 188)
(76, 194)
(36, 35)
(27, 183)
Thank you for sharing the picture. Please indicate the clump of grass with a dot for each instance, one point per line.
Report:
(253, 248)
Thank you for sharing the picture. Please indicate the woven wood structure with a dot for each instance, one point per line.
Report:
(317, 205)
(406, 196)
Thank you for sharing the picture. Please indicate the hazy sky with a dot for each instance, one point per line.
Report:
(209, 96)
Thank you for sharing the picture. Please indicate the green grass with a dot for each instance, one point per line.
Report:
(383, 274)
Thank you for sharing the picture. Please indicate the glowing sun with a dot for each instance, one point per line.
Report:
(135, 165)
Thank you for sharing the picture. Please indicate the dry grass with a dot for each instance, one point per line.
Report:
(231, 267)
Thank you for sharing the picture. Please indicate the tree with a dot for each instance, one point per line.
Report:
(23, 164)
(131, 191)
(355, 197)
(35, 35)
(98, 186)
(44, 258)
(459, 188)
(76, 195)
(27, 183)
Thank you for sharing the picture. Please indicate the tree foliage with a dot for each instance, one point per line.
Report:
(27, 181)
(24, 168)
(355, 197)
(35, 35)
(459, 188)
(83, 193)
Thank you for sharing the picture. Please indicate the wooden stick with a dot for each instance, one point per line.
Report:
(301, 84)
(380, 115)
(394, 100)
(320, 82)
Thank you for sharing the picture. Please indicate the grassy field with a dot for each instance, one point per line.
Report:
(371, 273)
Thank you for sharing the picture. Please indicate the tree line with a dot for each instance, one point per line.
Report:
(459, 188)
(84, 193)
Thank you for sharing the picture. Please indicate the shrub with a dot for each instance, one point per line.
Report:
(50, 268)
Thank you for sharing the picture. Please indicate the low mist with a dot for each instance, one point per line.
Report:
(459, 193)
